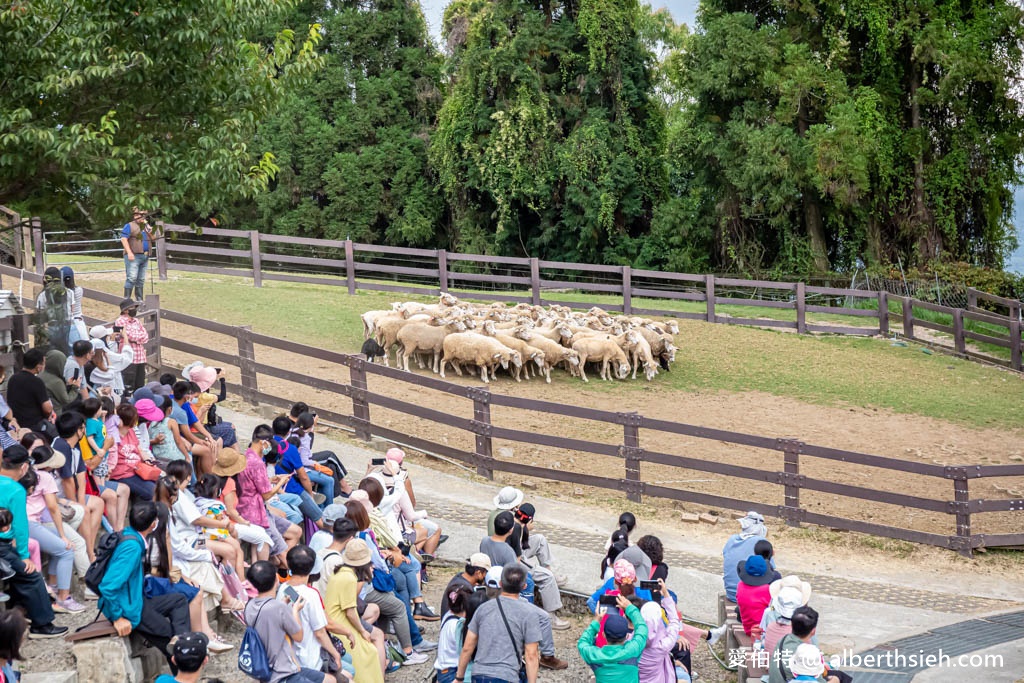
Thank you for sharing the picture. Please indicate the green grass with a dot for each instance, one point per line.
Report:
(827, 370)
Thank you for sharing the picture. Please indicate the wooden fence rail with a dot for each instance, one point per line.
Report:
(635, 458)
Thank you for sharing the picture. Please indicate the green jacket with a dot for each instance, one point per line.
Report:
(61, 393)
(615, 663)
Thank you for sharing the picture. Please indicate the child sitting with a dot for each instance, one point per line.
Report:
(207, 493)
(97, 443)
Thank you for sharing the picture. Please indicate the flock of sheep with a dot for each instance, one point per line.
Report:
(460, 334)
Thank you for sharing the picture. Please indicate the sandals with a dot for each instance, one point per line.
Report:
(233, 605)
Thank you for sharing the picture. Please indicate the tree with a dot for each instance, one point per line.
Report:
(549, 142)
(352, 148)
(109, 105)
(817, 133)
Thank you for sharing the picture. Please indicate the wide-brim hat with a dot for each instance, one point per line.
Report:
(54, 462)
(791, 581)
(357, 553)
(127, 303)
(148, 411)
(229, 463)
(204, 377)
(508, 498)
(806, 661)
(745, 567)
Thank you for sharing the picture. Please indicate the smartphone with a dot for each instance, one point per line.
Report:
(118, 328)
(77, 373)
(293, 595)
(606, 604)
(654, 587)
(377, 462)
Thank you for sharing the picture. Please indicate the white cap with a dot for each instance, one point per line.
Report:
(493, 579)
(99, 331)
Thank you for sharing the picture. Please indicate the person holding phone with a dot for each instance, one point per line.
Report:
(253, 488)
(663, 624)
(616, 660)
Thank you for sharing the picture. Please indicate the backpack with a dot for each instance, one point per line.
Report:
(104, 551)
(252, 655)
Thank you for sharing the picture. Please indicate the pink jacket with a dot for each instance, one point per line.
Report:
(655, 661)
(752, 601)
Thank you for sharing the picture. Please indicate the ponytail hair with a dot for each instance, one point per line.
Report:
(627, 522)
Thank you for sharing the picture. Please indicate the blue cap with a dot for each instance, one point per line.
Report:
(756, 566)
(616, 627)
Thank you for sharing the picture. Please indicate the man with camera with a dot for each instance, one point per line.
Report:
(136, 238)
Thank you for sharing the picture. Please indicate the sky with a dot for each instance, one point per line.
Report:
(684, 11)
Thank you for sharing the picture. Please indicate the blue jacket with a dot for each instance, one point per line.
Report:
(290, 461)
(12, 497)
(121, 587)
(737, 549)
(610, 585)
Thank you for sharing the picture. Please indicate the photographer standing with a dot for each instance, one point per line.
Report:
(136, 238)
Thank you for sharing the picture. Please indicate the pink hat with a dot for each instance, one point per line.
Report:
(363, 497)
(624, 572)
(396, 454)
(148, 411)
(204, 377)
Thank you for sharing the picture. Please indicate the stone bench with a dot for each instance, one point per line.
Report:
(101, 655)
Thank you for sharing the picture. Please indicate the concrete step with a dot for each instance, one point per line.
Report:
(51, 677)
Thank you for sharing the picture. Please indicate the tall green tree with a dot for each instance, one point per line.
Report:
(819, 132)
(549, 142)
(106, 105)
(352, 148)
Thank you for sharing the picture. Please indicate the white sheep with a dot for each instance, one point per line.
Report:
(474, 349)
(603, 351)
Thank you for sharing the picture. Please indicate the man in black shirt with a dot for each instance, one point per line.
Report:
(476, 570)
(27, 397)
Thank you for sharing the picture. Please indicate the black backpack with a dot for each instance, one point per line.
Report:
(104, 551)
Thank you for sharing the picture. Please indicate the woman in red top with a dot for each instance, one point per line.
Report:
(752, 593)
(125, 457)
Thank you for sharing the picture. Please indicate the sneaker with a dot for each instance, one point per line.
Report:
(426, 558)
(59, 608)
(319, 498)
(444, 537)
(561, 580)
(558, 624)
(554, 663)
(413, 658)
(392, 667)
(219, 646)
(422, 612)
(52, 592)
(72, 606)
(716, 633)
(48, 631)
(89, 595)
(425, 646)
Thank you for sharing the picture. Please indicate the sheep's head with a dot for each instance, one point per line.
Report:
(524, 321)
(489, 328)
(596, 311)
(621, 369)
(571, 356)
(501, 357)
(605, 320)
(672, 326)
(669, 352)
(632, 337)
(538, 358)
(516, 359)
(652, 327)
(469, 323)
(439, 321)
(650, 370)
(522, 333)
(448, 299)
(459, 326)
(564, 332)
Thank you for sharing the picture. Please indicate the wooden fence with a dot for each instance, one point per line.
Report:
(790, 481)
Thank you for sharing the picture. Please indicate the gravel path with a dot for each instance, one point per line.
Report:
(55, 655)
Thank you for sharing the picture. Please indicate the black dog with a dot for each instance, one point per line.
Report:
(371, 349)
(664, 363)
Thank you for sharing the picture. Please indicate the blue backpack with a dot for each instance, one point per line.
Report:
(252, 655)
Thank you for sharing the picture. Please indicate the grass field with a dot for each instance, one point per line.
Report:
(827, 370)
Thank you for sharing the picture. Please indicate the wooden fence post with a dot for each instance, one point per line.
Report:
(627, 290)
(535, 281)
(350, 267)
(257, 259)
(632, 453)
(709, 287)
(360, 406)
(161, 250)
(152, 303)
(37, 245)
(801, 308)
(482, 429)
(247, 363)
(883, 312)
(972, 298)
(791, 480)
(958, 332)
(19, 246)
(442, 269)
(20, 333)
(961, 507)
(1015, 360)
(908, 317)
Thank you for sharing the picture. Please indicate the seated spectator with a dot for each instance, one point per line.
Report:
(503, 637)
(126, 457)
(472, 576)
(656, 663)
(122, 598)
(278, 626)
(495, 546)
(529, 548)
(74, 366)
(653, 549)
(26, 587)
(188, 549)
(623, 582)
(41, 493)
(341, 601)
(765, 549)
(12, 634)
(188, 652)
(323, 537)
(209, 493)
(60, 392)
(332, 557)
(786, 595)
(509, 498)
(752, 594)
(300, 435)
(420, 531)
(450, 639)
(635, 555)
(315, 650)
(97, 442)
(76, 479)
(203, 447)
(28, 398)
(616, 661)
(254, 490)
(397, 455)
(805, 626)
(290, 462)
(206, 411)
(162, 576)
(807, 664)
(165, 440)
(738, 548)
(618, 542)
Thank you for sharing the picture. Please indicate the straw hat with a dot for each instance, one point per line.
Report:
(229, 463)
(357, 553)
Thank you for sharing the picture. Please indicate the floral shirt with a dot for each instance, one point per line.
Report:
(253, 482)
(125, 456)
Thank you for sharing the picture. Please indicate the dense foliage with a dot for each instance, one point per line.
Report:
(108, 104)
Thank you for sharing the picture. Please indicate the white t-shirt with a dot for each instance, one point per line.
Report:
(311, 618)
(187, 544)
(331, 559)
(320, 540)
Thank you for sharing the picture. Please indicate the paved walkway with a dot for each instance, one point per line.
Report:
(863, 616)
